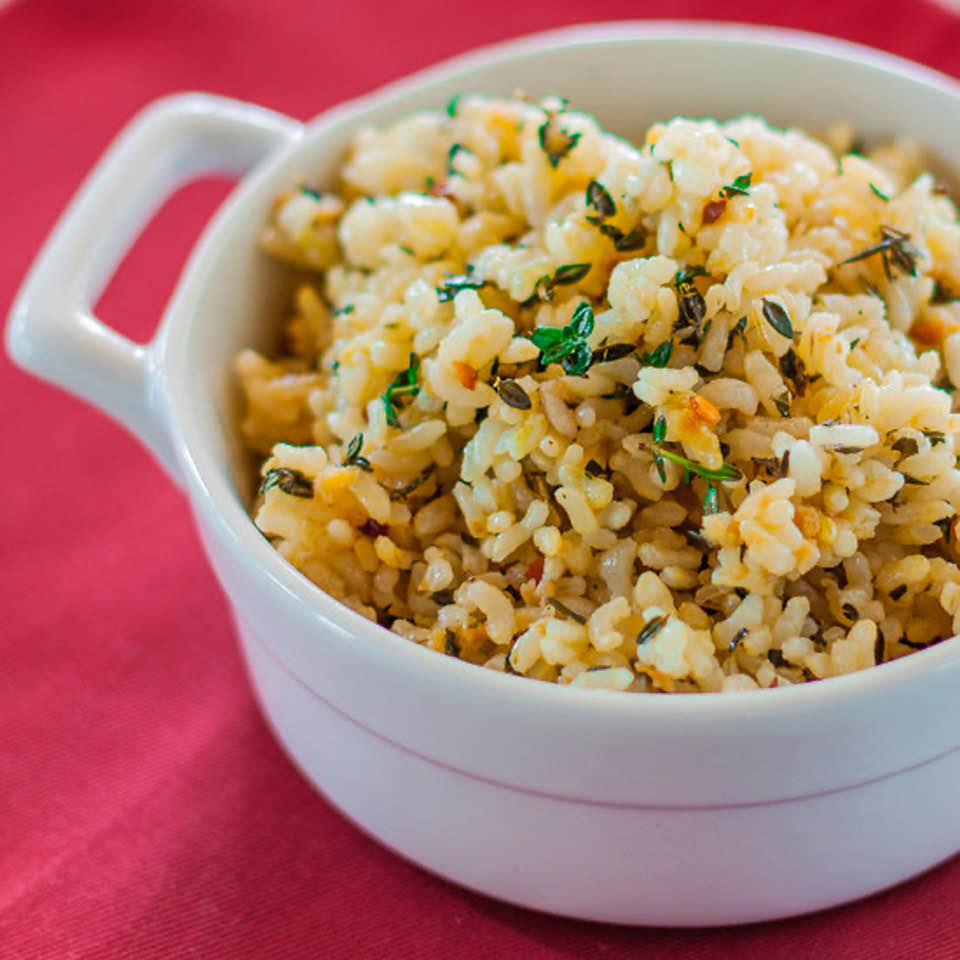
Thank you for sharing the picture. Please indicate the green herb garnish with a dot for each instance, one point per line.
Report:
(726, 472)
(613, 351)
(566, 611)
(512, 394)
(291, 482)
(711, 501)
(352, 455)
(659, 429)
(562, 276)
(782, 402)
(567, 345)
(738, 330)
(452, 103)
(344, 310)
(942, 294)
(622, 242)
(310, 192)
(691, 303)
(451, 156)
(896, 251)
(454, 284)
(600, 200)
(739, 187)
(651, 630)
(404, 384)
(555, 141)
(659, 356)
(778, 318)
(879, 192)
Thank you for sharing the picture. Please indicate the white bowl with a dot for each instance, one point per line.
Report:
(681, 810)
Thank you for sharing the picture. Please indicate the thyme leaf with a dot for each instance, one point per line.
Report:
(778, 318)
(879, 192)
(659, 356)
(555, 141)
(352, 456)
(726, 472)
(739, 187)
(567, 345)
(512, 394)
(895, 250)
(457, 282)
(291, 482)
(404, 384)
(599, 198)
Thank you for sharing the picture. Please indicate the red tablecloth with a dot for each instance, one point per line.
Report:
(145, 810)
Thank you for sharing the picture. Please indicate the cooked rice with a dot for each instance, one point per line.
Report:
(426, 468)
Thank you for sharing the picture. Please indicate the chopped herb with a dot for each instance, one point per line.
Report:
(897, 592)
(687, 274)
(879, 192)
(401, 493)
(784, 466)
(567, 345)
(450, 645)
(567, 274)
(736, 143)
(906, 446)
(697, 539)
(452, 104)
(726, 472)
(850, 611)
(600, 199)
(794, 369)
(782, 402)
(570, 273)
(513, 394)
(651, 630)
(613, 351)
(310, 192)
(594, 469)
(404, 383)
(555, 141)
(942, 294)
(659, 356)
(895, 249)
(739, 187)
(455, 283)
(451, 157)
(778, 318)
(566, 611)
(711, 502)
(669, 165)
(291, 482)
(737, 330)
(352, 454)
(691, 303)
(854, 342)
(935, 437)
(776, 658)
(878, 644)
(443, 597)
(915, 482)
(736, 638)
(344, 310)
(659, 429)
(622, 242)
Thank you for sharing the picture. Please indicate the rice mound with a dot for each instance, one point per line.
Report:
(667, 417)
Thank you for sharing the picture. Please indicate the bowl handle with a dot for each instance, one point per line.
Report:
(52, 330)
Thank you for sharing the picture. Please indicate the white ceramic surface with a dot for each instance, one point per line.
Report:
(639, 809)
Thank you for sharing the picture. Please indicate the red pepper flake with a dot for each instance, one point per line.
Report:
(714, 210)
(370, 528)
(465, 374)
(535, 570)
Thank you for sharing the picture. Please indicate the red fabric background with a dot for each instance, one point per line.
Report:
(144, 809)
